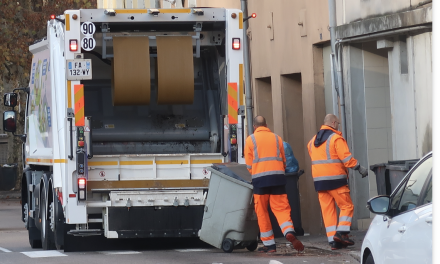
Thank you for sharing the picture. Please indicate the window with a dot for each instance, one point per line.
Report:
(427, 196)
(407, 196)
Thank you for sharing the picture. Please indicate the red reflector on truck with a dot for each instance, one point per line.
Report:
(235, 43)
(81, 183)
(72, 195)
(73, 45)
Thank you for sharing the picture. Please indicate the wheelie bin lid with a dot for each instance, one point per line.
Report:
(379, 165)
(234, 170)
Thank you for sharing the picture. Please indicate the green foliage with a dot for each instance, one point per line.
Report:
(21, 23)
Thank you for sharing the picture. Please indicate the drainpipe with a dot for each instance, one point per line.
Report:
(337, 63)
(247, 71)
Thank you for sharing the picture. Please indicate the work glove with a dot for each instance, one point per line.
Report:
(363, 171)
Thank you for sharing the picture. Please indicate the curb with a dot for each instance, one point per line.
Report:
(10, 195)
(353, 253)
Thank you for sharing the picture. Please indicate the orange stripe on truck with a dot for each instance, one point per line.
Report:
(241, 83)
(79, 105)
(232, 103)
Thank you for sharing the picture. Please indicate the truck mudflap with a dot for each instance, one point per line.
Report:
(154, 213)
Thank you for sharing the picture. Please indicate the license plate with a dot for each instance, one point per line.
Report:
(79, 69)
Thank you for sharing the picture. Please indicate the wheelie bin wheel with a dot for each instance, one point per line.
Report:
(228, 245)
(252, 246)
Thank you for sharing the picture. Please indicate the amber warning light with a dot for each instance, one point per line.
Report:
(254, 15)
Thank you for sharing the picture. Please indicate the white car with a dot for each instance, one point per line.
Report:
(402, 231)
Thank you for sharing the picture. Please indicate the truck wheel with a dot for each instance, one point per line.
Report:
(252, 246)
(45, 228)
(26, 215)
(57, 222)
(228, 245)
(34, 232)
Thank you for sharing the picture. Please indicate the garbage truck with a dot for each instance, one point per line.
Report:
(125, 109)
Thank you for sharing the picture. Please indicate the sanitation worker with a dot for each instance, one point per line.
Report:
(265, 160)
(330, 159)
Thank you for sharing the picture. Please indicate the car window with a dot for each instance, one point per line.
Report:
(396, 199)
(412, 188)
(427, 195)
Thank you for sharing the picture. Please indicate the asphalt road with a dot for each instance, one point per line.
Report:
(14, 248)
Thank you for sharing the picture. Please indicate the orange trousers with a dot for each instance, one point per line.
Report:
(280, 208)
(342, 198)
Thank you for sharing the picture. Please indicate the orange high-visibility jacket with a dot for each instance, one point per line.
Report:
(265, 160)
(330, 159)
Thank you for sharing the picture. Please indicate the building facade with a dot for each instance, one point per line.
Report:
(289, 53)
(386, 56)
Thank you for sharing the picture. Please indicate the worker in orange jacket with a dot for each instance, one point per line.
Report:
(265, 160)
(330, 159)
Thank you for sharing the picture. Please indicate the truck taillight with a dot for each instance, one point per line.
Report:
(73, 45)
(235, 43)
(52, 16)
(82, 188)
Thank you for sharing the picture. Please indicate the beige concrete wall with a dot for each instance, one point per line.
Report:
(291, 56)
(378, 108)
(353, 10)
(288, 79)
(220, 3)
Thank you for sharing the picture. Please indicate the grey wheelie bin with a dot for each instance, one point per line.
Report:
(229, 220)
(8, 177)
(292, 191)
(389, 175)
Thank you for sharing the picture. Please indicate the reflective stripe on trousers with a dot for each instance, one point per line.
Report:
(280, 208)
(327, 201)
(268, 238)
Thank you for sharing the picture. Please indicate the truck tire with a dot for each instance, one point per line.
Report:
(29, 223)
(46, 233)
(57, 221)
(34, 232)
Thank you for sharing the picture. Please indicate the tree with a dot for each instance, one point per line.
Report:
(23, 22)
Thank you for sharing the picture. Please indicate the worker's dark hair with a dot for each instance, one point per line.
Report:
(259, 121)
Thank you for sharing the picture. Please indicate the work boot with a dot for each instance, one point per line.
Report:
(343, 239)
(336, 245)
(295, 242)
(267, 249)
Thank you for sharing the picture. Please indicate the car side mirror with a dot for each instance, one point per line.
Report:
(379, 204)
(9, 121)
(10, 99)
